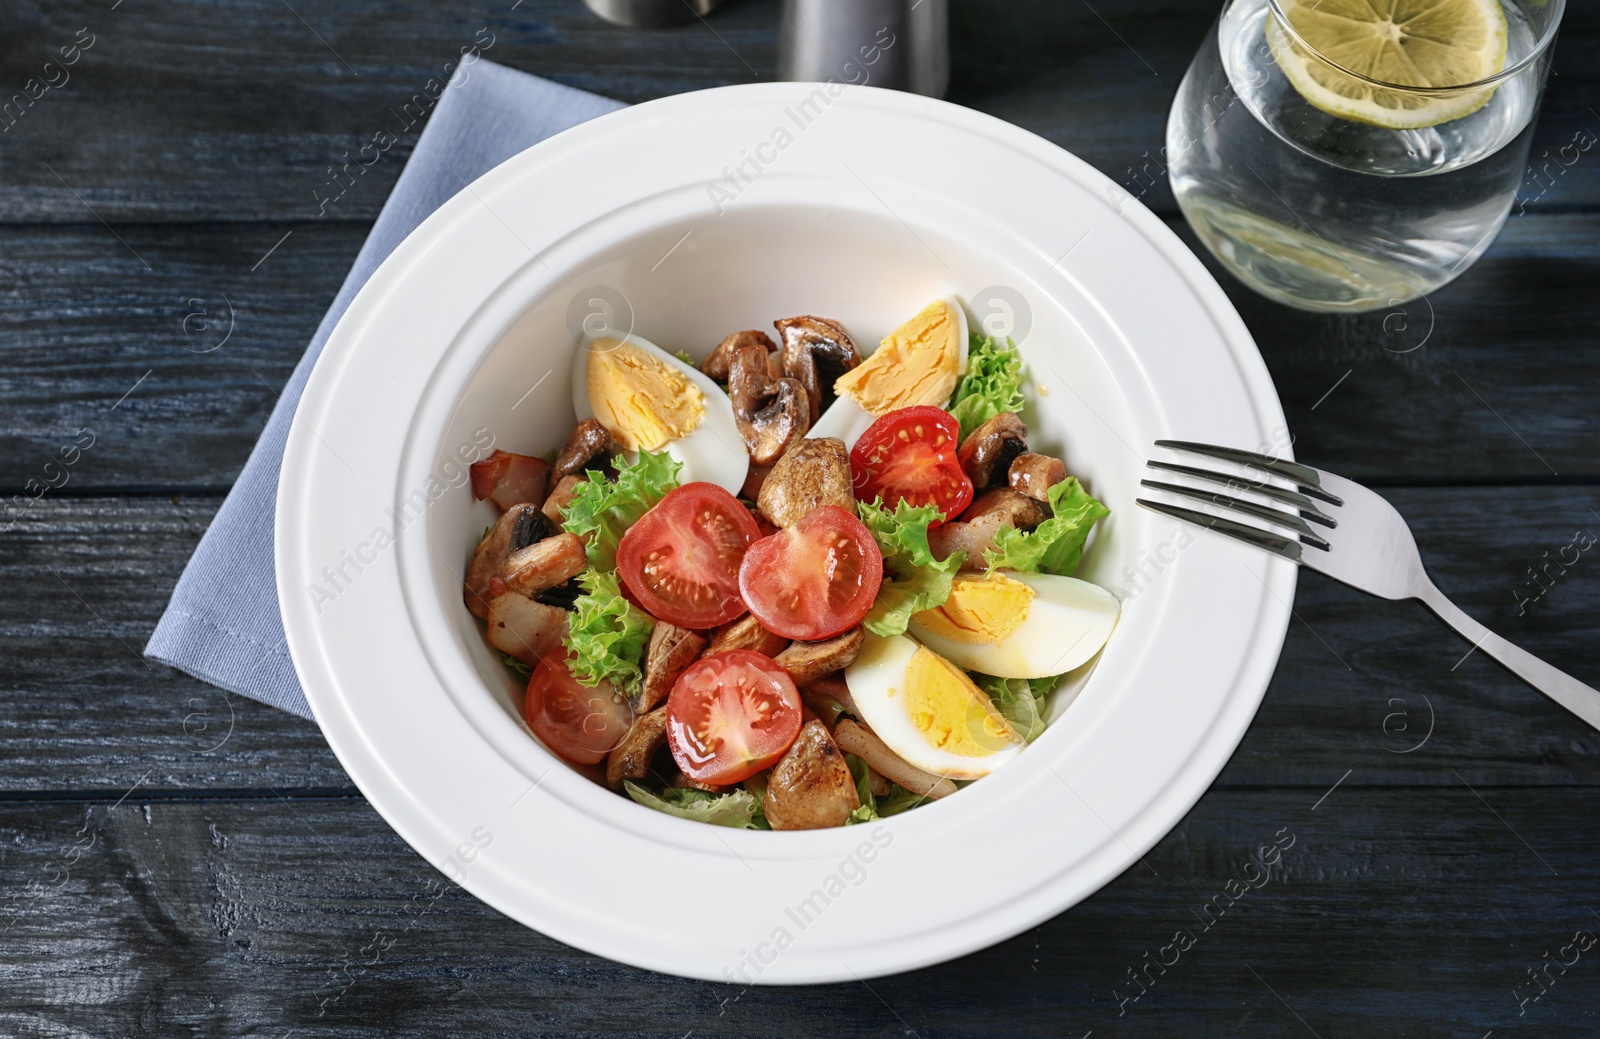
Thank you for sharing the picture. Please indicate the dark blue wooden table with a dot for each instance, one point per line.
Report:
(176, 862)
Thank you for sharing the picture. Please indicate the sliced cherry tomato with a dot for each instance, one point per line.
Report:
(730, 715)
(681, 560)
(579, 723)
(910, 455)
(814, 579)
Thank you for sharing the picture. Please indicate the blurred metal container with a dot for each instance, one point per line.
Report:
(903, 44)
(651, 14)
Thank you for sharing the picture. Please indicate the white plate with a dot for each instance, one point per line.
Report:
(867, 204)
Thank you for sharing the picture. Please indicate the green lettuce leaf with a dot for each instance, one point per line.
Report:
(868, 812)
(1056, 545)
(738, 809)
(1021, 700)
(916, 580)
(899, 800)
(607, 634)
(602, 510)
(993, 383)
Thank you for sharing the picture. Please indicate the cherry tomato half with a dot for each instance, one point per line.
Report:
(910, 455)
(681, 560)
(730, 715)
(814, 579)
(578, 723)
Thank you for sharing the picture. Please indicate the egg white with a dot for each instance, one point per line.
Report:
(1067, 623)
(847, 420)
(877, 685)
(714, 451)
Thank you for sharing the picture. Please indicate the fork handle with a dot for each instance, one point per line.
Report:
(1580, 699)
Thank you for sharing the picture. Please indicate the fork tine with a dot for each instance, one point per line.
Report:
(1268, 490)
(1285, 547)
(1249, 508)
(1309, 479)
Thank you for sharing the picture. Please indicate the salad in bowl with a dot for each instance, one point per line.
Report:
(790, 587)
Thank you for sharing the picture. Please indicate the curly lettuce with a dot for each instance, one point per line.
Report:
(868, 812)
(602, 510)
(1056, 545)
(1021, 700)
(992, 385)
(738, 809)
(606, 634)
(915, 581)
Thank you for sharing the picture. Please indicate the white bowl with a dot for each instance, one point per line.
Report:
(866, 205)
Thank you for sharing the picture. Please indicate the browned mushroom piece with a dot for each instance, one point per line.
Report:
(989, 450)
(1034, 474)
(974, 532)
(816, 351)
(588, 441)
(810, 787)
(517, 528)
(720, 359)
(525, 629)
(772, 414)
(544, 564)
(561, 496)
(865, 744)
(746, 633)
(683, 782)
(832, 687)
(816, 471)
(808, 661)
(671, 650)
(631, 758)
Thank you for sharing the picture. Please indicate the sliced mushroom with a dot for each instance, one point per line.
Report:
(631, 758)
(810, 787)
(561, 496)
(816, 471)
(671, 650)
(587, 441)
(832, 687)
(974, 533)
(816, 351)
(808, 661)
(865, 744)
(525, 629)
(518, 527)
(988, 451)
(772, 414)
(510, 479)
(544, 564)
(1034, 474)
(720, 359)
(683, 782)
(746, 633)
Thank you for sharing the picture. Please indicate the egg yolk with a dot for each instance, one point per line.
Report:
(950, 711)
(917, 363)
(981, 610)
(641, 400)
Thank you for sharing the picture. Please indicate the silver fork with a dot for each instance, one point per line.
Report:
(1359, 539)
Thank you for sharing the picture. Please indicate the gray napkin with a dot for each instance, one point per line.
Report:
(222, 625)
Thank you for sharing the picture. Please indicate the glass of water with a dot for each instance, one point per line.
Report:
(1347, 155)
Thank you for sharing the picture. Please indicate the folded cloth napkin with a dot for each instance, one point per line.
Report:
(222, 625)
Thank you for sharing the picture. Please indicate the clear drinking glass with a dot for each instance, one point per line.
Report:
(1328, 212)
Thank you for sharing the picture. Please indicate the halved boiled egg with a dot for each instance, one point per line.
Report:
(918, 363)
(1017, 625)
(928, 711)
(649, 400)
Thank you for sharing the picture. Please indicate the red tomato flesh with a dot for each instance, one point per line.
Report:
(910, 455)
(814, 579)
(730, 715)
(681, 560)
(578, 723)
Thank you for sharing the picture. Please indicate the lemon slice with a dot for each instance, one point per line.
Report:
(1411, 43)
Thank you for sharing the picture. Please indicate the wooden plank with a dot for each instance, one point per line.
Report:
(172, 116)
(1482, 389)
(258, 917)
(89, 577)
